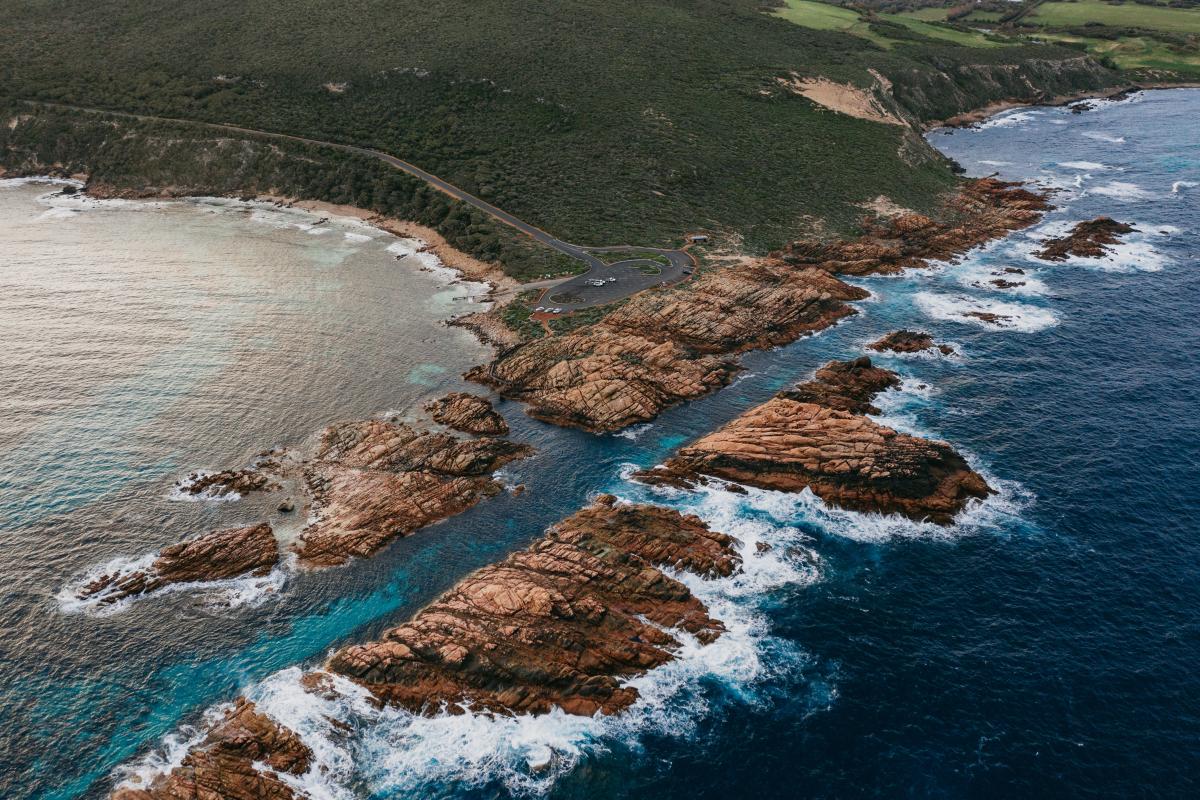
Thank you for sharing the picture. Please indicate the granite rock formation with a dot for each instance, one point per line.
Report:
(665, 346)
(904, 341)
(374, 480)
(227, 482)
(217, 555)
(468, 413)
(564, 623)
(561, 623)
(228, 763)
(816, 436)
(982, 210)
(1090, 239)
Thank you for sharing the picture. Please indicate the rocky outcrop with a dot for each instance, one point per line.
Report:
(226, 483)
(904, 341)
(984, 209)
(241, 758)
(816, 437)
(468, 413)
(1088, 239)
(374, 480)
(217, 555)
(666, 346)
(563, 623)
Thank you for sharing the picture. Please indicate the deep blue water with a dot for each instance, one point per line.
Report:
(1044, 646)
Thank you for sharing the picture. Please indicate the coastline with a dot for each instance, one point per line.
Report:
(982, 113)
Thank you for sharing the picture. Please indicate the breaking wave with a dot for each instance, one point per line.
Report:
(986, 313)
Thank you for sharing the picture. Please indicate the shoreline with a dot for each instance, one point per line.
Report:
(974, 116)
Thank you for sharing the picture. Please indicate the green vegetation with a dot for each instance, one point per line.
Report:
(1125, 15)
(622, 121)
(516, 315)
(583, 317)
(885, 30)
(613, 256)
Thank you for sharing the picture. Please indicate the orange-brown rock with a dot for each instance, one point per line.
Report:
(816, 437)
(564, 623)
(982, 210)
(561, 623)
(373, 480)
(1088, 239)
(666, 346)
(909, 342)
(227, 482)
(217, 555)
(227, 764)
(468, 413)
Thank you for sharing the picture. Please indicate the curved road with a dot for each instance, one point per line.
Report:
(577, 284)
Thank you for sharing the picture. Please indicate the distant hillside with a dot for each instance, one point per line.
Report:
(603, 122)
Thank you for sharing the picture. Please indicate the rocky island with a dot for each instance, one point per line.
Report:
(217, 555)
(816, 436)
(468, 413)
(563, 623)
(1088, 239)
(909, 342)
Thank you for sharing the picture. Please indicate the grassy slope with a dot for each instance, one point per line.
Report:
(1131, 15)
(623, 121)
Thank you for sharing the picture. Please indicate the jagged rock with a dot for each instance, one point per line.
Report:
(1001, 283)
(666, 346)
(815, 436)
(988, 317)
(909, 342)
(1088, 239)
(286, 507)
(227, 764)
(217, 555)
(563, 623)
(373, 480)
(468, 413)
(227, 482)
(983, 209)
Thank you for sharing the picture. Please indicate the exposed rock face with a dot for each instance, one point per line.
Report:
(225, 766)
(558, 624)
(909, 342)
(1088, 239)
(562, 623)
(663, 347)
(815, 436)
(227, 482)
(666, 346)
(373, 480)
(468, 413)
(984, 209)
(217, 555)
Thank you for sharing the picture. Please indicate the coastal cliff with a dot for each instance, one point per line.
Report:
(817, 437)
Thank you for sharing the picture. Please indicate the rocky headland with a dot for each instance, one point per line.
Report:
(816, 436)
(1089, 239)
(563, 623)
(905, 341)
(374, 480)
(241, 758)
(666, 346)
(213, 556)
(468, 413)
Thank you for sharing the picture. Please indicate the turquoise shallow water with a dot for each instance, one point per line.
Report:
(1042, 647)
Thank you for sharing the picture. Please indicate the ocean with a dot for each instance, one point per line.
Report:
(1044, 645)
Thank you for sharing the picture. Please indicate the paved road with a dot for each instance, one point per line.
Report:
(679, 259)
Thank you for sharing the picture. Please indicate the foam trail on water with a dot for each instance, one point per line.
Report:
(1021, 317)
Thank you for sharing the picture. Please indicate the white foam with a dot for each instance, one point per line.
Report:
(1085, 166)
(1010, 119)
(405, 247)
(995, 163)
(634, 432)
(356, 238)
(1122, 190)
(1021, 317)
(1177, 185)
(13, 183)
(1104, 137)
